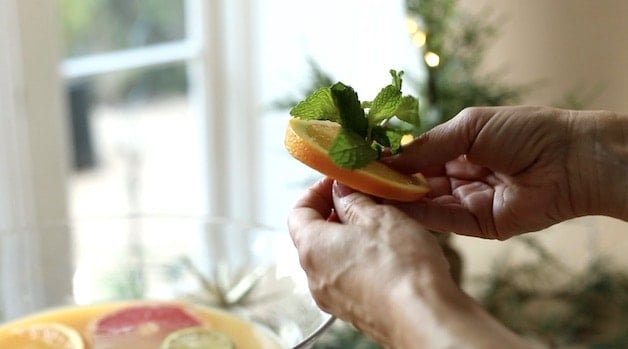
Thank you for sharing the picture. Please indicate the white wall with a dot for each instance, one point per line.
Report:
(564, 45)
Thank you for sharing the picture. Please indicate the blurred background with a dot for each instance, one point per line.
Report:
(123, 107)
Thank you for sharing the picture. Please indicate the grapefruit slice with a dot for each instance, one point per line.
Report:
(43, 336)
(140, 326)
(309, 141)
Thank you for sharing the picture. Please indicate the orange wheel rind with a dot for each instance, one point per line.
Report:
(309, 141)
(43, 336)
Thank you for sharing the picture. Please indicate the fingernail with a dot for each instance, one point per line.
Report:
(341, 190)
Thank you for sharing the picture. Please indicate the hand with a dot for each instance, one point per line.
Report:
(372, 265)
(353, 267)
(500, 171)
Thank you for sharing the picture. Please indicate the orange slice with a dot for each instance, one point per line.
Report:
(43, 336)
(309, 141)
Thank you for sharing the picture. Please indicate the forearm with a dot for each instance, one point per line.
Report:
(598, 164)
(442, 316)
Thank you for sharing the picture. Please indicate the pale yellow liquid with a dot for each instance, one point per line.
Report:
(244, 334)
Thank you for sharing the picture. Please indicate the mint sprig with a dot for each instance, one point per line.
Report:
(317, 106)
(368, 127)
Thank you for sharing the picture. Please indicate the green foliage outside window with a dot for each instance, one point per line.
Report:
(92, 26)
(102, 26)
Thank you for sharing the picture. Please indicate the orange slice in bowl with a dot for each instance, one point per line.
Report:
(43, 336)
(309, 141)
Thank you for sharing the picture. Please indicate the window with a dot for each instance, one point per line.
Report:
(145, 141)
(136, 140)
(37, 173)
(169, 109)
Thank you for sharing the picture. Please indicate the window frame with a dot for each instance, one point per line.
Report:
(34, 158)
(219, 52)
(33, 180)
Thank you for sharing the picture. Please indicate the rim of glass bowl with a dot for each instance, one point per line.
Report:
(305, 343)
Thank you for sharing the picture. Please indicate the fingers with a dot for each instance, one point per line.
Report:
(315, 206)
(442, 215)
(448, 214)
(443, 143)
(352, 207)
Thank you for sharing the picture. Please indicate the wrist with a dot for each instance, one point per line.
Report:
(598, 164)
(418, 305)
(431, 312)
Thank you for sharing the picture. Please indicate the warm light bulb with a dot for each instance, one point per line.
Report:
(405, 139)
(431, 59)
(412, 25)
(419, 38)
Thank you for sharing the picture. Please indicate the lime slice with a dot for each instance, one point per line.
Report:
(44, 336)
(197, 338)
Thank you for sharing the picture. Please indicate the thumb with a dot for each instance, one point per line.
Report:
(441, 144)
(351, 206)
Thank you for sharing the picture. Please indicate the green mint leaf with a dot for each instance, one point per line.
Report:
(350, 150)
(394, 137)
(317, 106)
(408, 111)
(396, 78)
(379, 136)
(363, 136)
(387, 137)
(385, 104)
(350, 110)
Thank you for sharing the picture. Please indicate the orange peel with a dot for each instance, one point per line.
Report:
(309, 141)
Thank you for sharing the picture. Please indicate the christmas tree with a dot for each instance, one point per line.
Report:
(452, 44)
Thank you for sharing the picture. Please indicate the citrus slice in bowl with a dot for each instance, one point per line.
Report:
(197, 338)
(142, 318)
(309, 141)
(140, 326)
(43, 336)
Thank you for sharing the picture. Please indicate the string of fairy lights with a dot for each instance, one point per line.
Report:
(418, 37)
